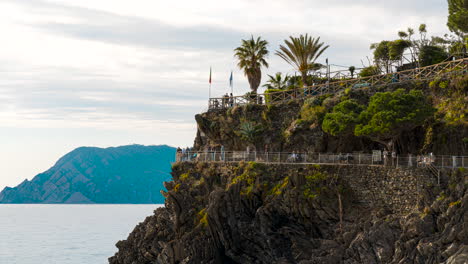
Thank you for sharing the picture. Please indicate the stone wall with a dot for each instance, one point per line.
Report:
(398, 189)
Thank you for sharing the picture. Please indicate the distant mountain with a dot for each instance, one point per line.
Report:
(126, 174)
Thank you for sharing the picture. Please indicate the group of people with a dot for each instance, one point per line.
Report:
(181, 153)
(226, 101)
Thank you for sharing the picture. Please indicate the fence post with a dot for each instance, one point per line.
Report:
(255, 156)
(359, 158)
(279, 157)
(397, 161)
(319, 159)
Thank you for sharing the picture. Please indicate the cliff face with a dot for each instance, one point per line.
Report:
(128, 174)
(273, 213)
(252, 213)
(297, 124)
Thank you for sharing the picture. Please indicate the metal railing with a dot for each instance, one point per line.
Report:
(424, 73)
(325, 158)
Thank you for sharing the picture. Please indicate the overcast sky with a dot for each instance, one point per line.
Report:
(113, 72)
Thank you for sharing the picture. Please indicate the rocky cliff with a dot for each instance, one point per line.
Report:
(273, 213)
(253, 213)
(127, 174)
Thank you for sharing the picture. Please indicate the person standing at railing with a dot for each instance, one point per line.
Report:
(385, 157)
(178, 154)
(394, 157)
(231, 100)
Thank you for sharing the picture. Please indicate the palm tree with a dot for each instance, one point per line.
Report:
(301, 53)
(277, 82)
(252, 55)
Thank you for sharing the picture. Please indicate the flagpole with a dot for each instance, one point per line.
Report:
(209, 91)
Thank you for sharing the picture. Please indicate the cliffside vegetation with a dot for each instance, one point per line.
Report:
(410, 117)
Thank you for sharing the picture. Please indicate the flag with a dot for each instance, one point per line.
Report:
(230, 80)
(210, 76)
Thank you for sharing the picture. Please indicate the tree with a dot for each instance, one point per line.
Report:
(389, 114)
(458, 16)
(343, 118)
(252, 56)
(430, 54)
(301, 53)
(382, 54)
(351, 70)
(277, 82)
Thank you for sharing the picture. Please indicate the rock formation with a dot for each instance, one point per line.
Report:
(291, 213)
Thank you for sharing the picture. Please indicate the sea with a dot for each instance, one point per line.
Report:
(65, 234)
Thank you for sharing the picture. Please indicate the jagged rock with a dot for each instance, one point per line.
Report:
(243, 213)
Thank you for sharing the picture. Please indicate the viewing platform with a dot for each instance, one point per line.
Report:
(424, 73)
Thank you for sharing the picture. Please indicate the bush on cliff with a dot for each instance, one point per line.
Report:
(343, 118)
(389, 114)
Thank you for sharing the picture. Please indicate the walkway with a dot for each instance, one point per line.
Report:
(424, 73)
(377, 158)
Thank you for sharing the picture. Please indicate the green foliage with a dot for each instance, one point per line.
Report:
(454, 203)
(429, 55)
(351, 70)
(203, 217)
(343, 118)
(277, 82)
(250, 131)
(390, 113)
(302, 52)
(252, 56)
(184, 176)
(441, 197)
(458, 16)
(312, 111)
(278, 188)
(382, 54)
(249, 176)
(313, 185)
(269, 98)
(396, 49)
(369, 71)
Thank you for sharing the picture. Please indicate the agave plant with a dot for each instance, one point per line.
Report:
(301, 53)
(252, 56)
(277, 82)
(248, 131)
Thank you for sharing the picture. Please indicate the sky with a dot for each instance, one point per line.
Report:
(117, 72)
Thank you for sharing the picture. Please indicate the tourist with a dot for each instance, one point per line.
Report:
(226, 100)
(385, 154)
(394, 157)
(231, 100)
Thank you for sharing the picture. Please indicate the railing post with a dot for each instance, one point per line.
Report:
(319, 159)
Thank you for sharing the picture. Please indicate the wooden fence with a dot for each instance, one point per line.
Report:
(424, 73)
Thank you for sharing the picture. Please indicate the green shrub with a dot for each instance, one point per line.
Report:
(343, 118)
(313, 186)
(369, 71)
(203, 217)
(278, 188)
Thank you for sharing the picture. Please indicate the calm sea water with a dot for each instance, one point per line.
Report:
(65, 234)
